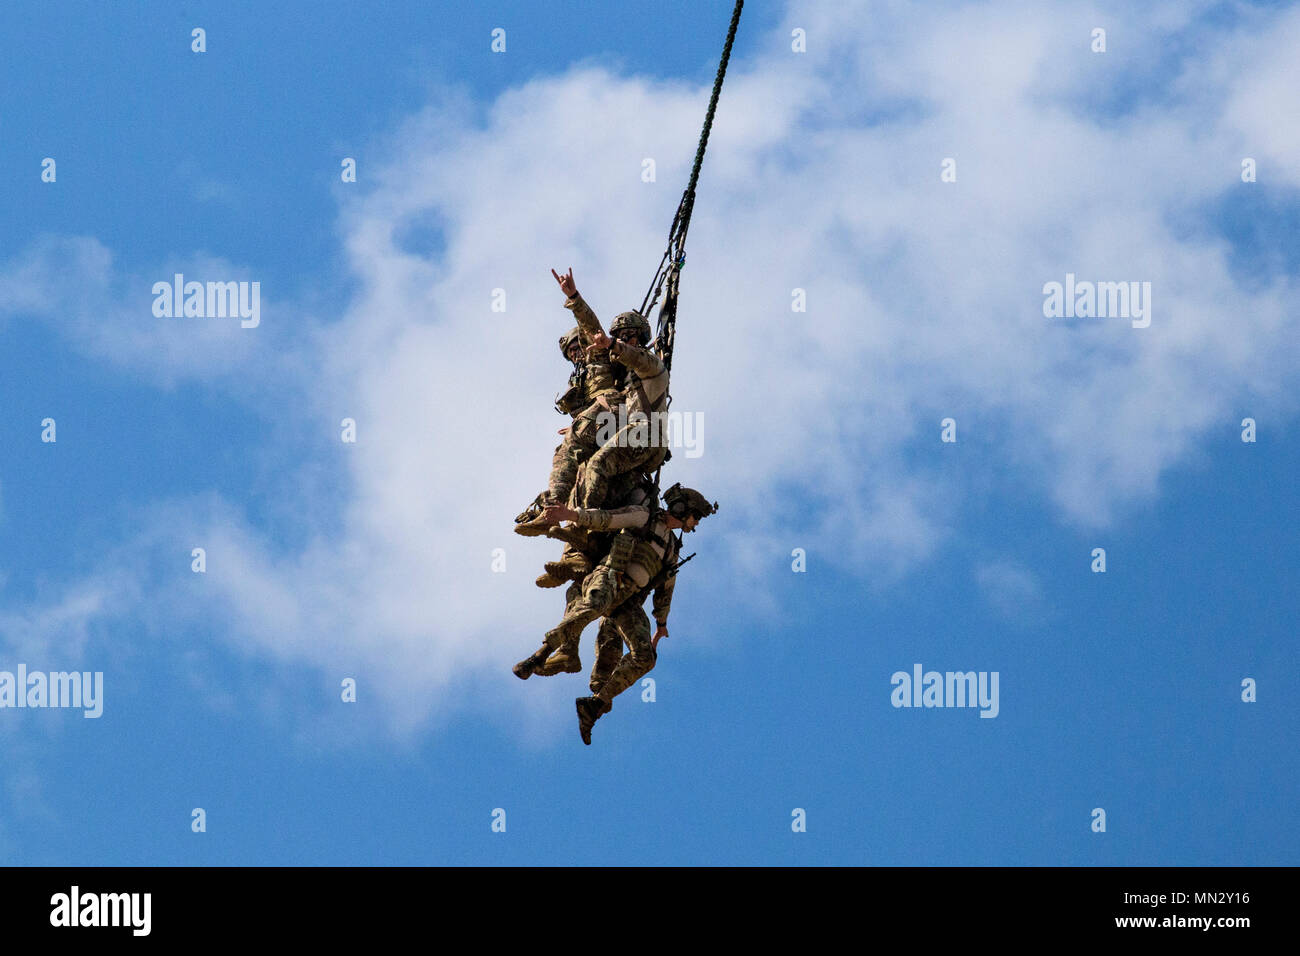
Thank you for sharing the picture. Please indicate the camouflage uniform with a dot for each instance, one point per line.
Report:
(645, 394)
(610, 639)
(639, 562)
(609, 647)
(583, 550)
(614, 671)
(609, 650)
(608, 589)
(592, 378)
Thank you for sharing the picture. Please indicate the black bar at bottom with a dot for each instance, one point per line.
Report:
(366, 904)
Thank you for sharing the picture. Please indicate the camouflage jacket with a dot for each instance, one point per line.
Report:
(658, 549)
(648, 385)
(592, 376)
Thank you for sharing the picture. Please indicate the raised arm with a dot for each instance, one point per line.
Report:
(586, 319)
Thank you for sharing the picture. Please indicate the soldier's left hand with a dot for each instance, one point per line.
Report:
(661, 631)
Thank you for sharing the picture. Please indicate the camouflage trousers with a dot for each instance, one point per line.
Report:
(589, 475)
(628, 625)
(609, 642)
(626, 453)
(605, 592)
(564, 471)
(579, 444)
(609, 651)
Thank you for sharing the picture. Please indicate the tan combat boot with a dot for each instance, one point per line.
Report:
(563, 661)
(574, 536)
(530, 522)
(550, 579)
(573, 566)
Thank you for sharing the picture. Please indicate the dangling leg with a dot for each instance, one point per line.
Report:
(633, 628)
(602, 589)
(609, 651)
(628, 451)
(565, 660)
(579, 444)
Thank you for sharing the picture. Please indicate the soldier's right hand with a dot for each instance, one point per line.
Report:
(567, 285)
(554, 514)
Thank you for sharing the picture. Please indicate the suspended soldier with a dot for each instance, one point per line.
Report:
(638, 445)
(642, 560)
(632, 448)
(597, 469)
(592, 378)
(609, 649)
(583, 552)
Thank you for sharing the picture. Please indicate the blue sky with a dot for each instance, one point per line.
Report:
(476, 171)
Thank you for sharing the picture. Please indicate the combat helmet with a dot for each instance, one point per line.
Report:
(682, 502)
(631, 320)
(569, 338)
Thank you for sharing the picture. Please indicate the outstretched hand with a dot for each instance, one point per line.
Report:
(661, 631)
(567, 285)
(554, 514)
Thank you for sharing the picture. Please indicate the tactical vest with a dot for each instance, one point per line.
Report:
(667, 568)
(644, 554)
(635, 546)
(573, 401)
(600, 379)
(588, 381)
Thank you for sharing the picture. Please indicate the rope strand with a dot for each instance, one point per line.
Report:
(675, 255)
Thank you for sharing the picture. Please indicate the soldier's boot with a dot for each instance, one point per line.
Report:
(530, 522)
(552, 578)
(529, 665)
(574, 536)
(560, 662)
(590, 710)
(533, 510)
(572, 566)
(563, 661)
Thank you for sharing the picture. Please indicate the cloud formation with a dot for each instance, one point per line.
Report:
(924, 301)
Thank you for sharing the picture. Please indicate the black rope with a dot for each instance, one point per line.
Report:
(688, 200)
(675, 256)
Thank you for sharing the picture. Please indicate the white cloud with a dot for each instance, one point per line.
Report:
(53, 631)
(924, 301)
(71, 283)
(1013, 591)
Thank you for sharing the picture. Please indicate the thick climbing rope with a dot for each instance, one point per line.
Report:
(674, 258)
